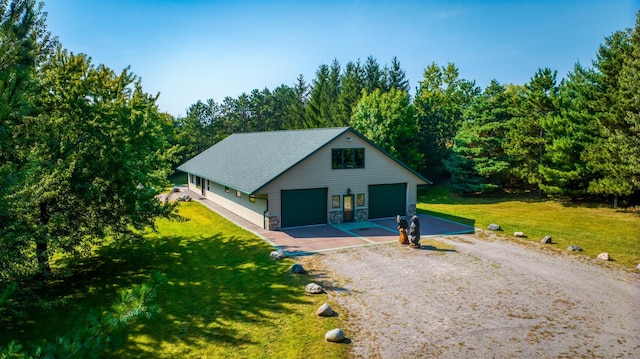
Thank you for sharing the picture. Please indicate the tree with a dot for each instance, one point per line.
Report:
(94, 158)
(200, 129)
(440, 100)
(373, 75)
(351, 86)
(388, 120)
(568, 132)
(298, 106)
(24, 44)
(478, 162)
(397, 77)
(527, 139)
(613, 155)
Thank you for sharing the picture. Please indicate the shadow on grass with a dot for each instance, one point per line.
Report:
(216, 284)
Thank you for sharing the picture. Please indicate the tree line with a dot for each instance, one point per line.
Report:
(573, 137)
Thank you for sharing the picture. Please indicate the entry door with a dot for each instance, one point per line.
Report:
(347, 206)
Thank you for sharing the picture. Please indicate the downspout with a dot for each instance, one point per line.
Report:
(264, 213)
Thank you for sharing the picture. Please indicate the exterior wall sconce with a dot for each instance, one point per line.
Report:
(252, 198)
(348, 190)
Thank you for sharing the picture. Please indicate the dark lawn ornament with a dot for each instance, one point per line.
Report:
(414, 232)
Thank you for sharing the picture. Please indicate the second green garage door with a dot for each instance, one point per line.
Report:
(303, 207)
(387, 200)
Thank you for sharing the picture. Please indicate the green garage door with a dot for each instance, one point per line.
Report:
(387, 200)
(303, 207)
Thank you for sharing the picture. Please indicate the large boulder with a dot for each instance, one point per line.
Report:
(334, 335)
(279, 254)
(494, 227)
(546, 240)
(313, 288)
(518, 234)
(604, 256)
(325, 310)
(574, 248)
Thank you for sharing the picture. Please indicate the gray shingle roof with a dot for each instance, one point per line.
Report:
(258, 157)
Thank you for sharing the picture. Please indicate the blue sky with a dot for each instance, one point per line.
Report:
(194, 50)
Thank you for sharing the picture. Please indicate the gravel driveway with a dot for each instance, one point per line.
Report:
(464, 297)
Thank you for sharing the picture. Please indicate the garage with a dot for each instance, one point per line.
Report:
(387, 200)
(304, 207)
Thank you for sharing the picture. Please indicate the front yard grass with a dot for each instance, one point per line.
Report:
(225, 298)
(594, 228)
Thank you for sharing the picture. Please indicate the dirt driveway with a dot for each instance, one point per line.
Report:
(462, 297)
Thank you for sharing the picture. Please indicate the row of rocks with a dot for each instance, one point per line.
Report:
(334, 335)
(548, 240)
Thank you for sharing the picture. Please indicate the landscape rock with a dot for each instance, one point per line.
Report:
(175, 189)
(604, 256)
(298, 269)
(314, 288)
(638, 267)
(334, 335)
(279, 254)
(546, 240)
(494, 227)
(574, 248)
(185, 198)
(518, 234)
(325, 310)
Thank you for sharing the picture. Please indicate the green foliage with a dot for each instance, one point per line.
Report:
(388, 120)
(479, 162)
(440, 101)
(92, 160)
(93, 337)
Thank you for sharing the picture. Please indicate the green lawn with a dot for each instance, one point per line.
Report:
(224, 298)
(595, 228)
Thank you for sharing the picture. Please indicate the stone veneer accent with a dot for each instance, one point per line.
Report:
(411, 210)
(361, 214)
(273, 223)
(335, 216)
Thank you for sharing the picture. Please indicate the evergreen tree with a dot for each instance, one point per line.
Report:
(351, 86)
(373, 75)
(613, 154)
(527, 139)
(299, 104)
(479, 163)
(397, 78)
(569, 131)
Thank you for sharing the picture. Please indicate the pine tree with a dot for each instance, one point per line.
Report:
(614, 154)
(479, 163)
(351, 86)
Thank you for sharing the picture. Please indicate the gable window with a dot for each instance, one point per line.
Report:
(347, 158)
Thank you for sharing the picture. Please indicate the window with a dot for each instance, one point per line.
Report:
(347, 158)
(335, 201)
(226, 189)
(238, 194)
(192, 179)
(208, 186)
(360, 199)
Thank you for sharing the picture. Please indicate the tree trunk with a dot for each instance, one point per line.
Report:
(42, 245)
(615, 201)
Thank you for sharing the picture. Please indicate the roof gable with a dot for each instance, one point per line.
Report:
(247, 161)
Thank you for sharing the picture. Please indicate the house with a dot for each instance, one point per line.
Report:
(295, 178)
